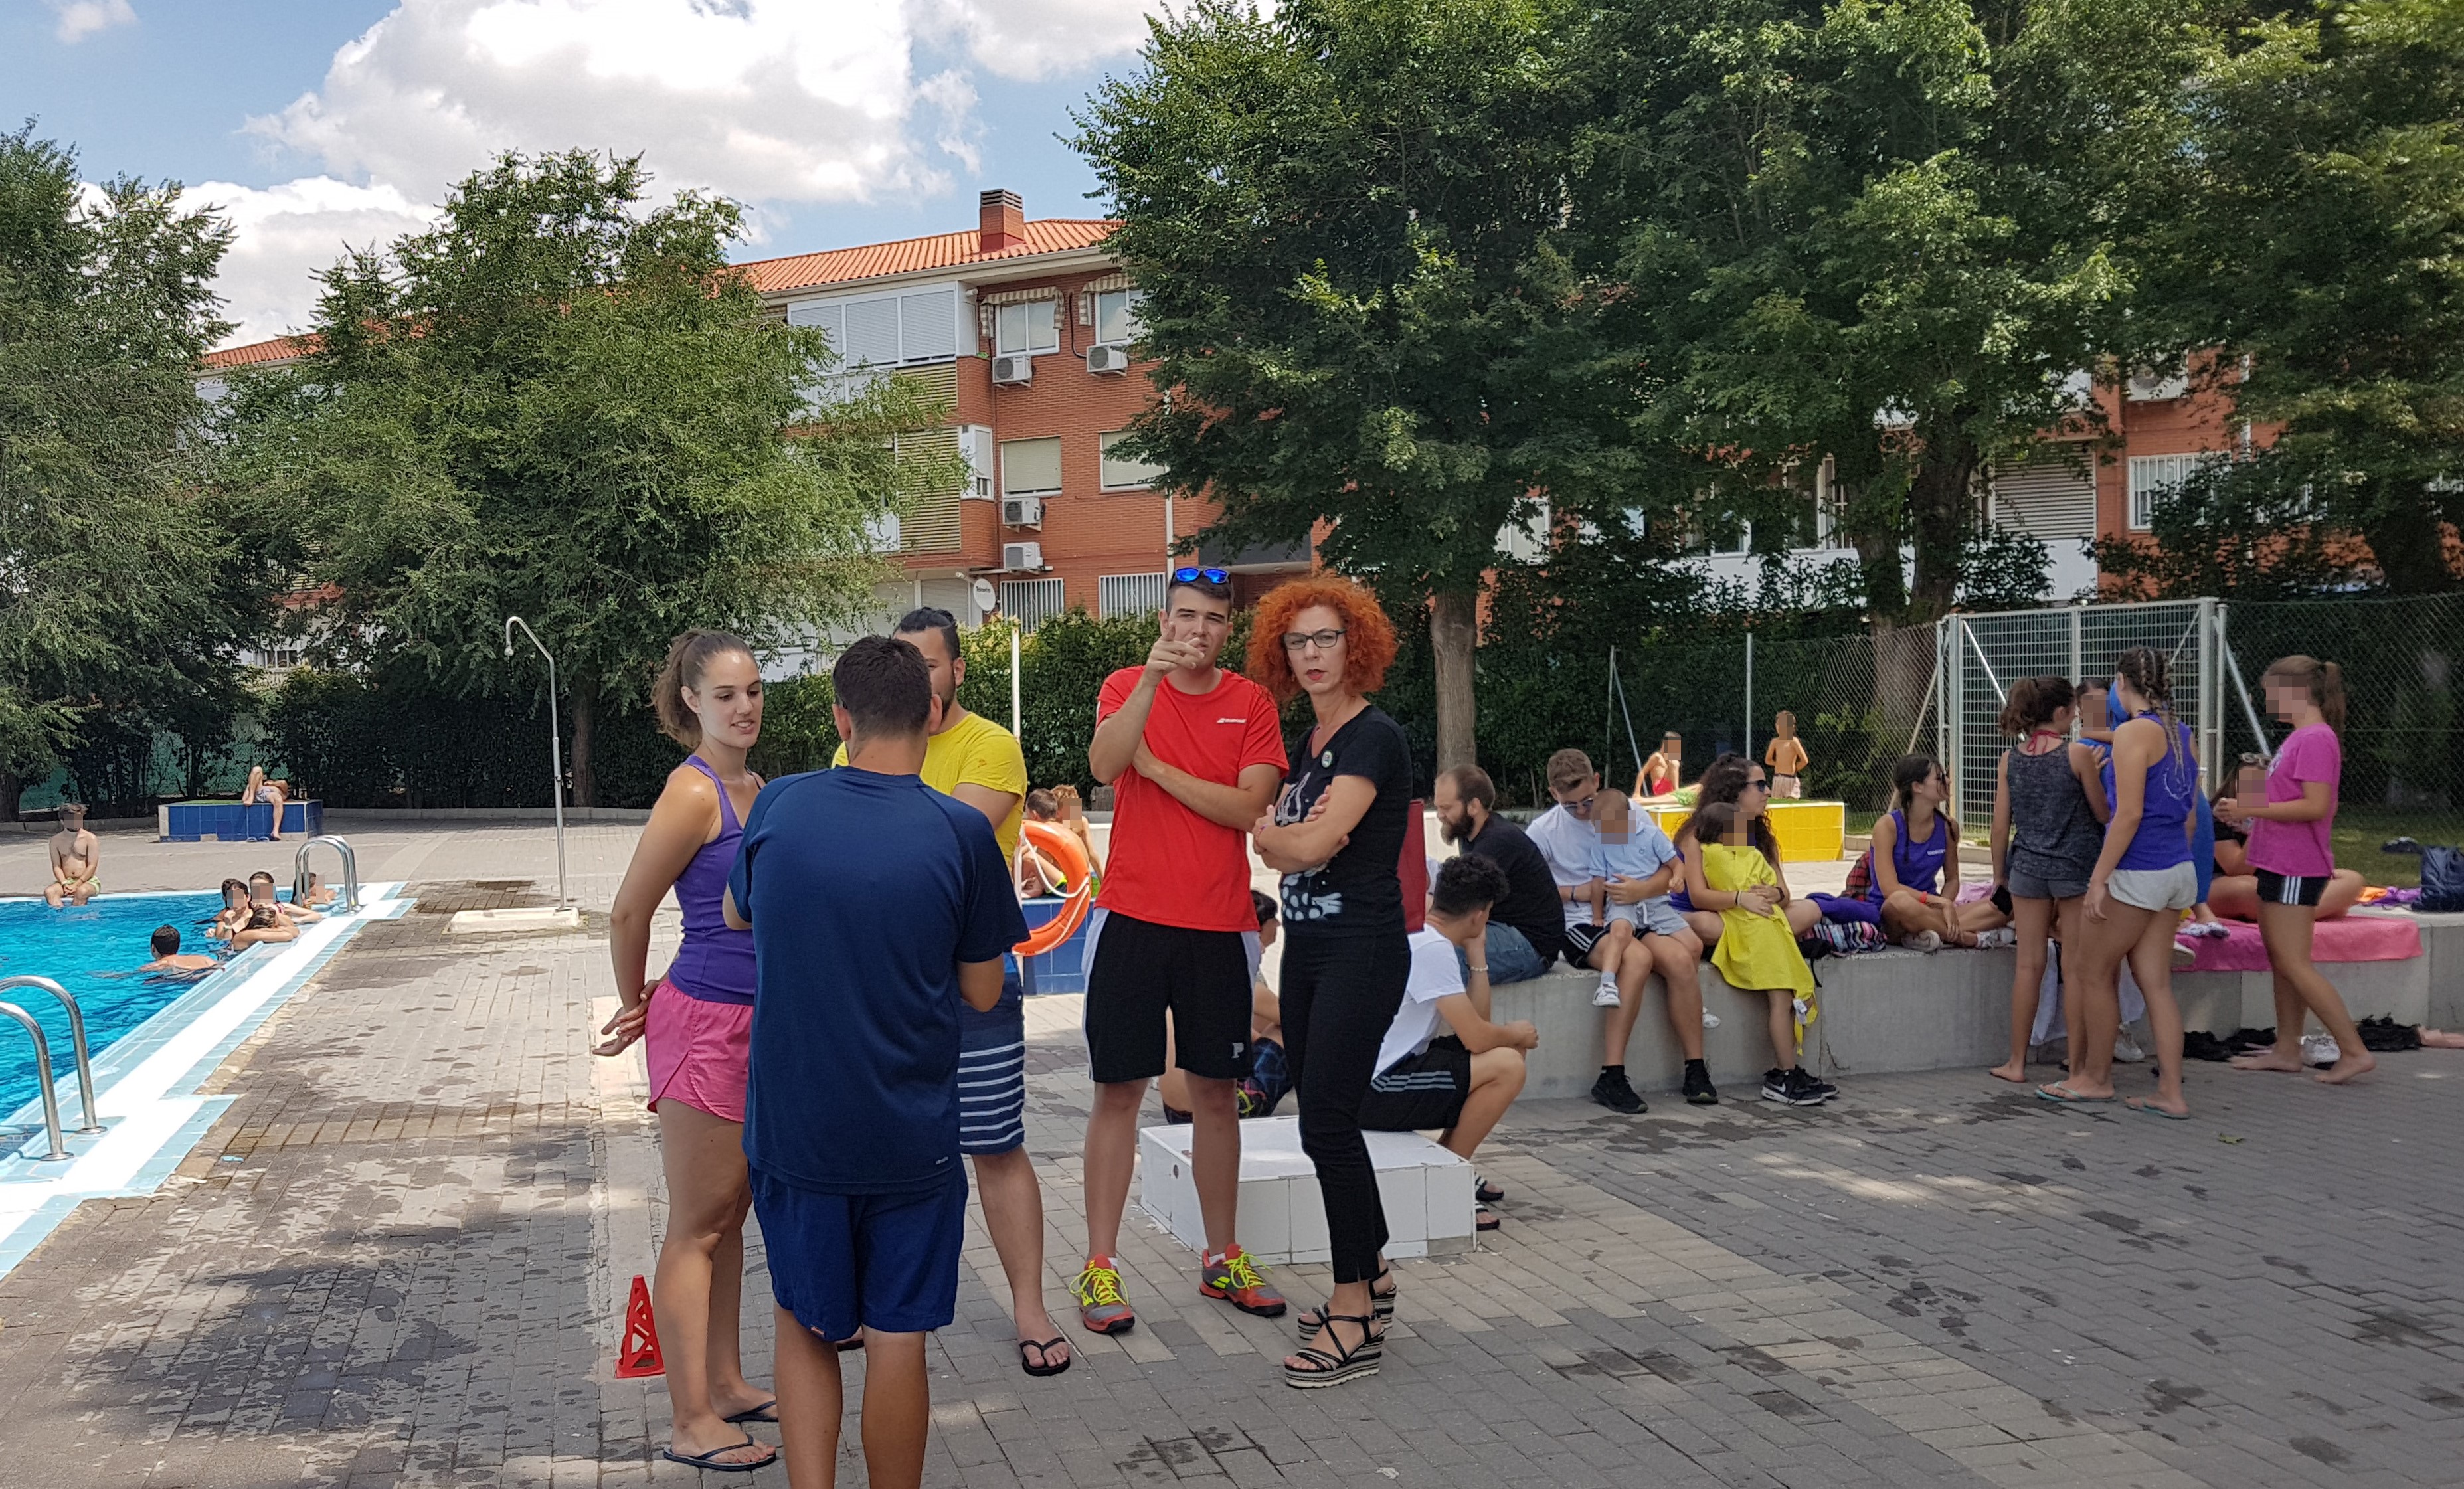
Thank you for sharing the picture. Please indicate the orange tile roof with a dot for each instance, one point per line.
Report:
(907, 255)
(283, 348)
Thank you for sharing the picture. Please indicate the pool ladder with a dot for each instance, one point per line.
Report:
(43, 1060)
(350, 872)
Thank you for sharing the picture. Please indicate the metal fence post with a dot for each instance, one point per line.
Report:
(2079, 659)
(1953, 702)
(2212, 698)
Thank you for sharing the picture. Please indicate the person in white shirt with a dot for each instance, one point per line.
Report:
(1444, 1065)
(1570, 837)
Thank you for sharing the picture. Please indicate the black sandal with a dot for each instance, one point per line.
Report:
(1381, 1303)
(1484, 1192)
(1485, 1220)
(710, 1459)
(1043, 1349)
(1332, 1367)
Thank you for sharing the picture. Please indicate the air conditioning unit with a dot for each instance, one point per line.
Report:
(1107, 359)
(2155, 387)
(1022, 555)
(1022, 511)
(1017, 368)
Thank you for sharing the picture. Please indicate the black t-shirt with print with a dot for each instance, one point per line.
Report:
(1360, 891)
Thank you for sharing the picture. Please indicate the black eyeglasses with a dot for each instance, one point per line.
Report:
(1193, 576)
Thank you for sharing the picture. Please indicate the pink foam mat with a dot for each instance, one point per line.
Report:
(2347, 939)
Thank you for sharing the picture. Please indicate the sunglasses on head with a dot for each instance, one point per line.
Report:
(1193, 576)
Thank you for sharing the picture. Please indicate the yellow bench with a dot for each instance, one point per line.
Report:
(1807, 832)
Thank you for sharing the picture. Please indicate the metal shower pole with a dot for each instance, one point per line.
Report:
(555, 746)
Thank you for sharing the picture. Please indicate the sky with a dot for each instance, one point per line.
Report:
(317, 124)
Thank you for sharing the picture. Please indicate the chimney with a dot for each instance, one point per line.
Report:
(1000, 222)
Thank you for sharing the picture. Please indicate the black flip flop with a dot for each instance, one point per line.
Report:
(767, 1411)
(710, 1459)
(1483, 1220)
(852, 1341)
(1044, 1348)
(1484, 1192)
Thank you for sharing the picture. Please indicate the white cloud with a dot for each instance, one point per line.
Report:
(83, 18)
(287, 233)
(786, 102)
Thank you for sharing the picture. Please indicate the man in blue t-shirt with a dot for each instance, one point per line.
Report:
(876, 906)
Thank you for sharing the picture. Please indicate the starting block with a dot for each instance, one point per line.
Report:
(1427, 1193)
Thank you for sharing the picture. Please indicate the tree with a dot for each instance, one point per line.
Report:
(561, 403)
(1340, 216)
(2317, 240)
(125, 591)
(1877, 231)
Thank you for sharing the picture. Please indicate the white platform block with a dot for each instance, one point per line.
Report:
(1427, 1193)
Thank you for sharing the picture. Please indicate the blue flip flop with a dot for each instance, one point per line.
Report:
(767, 1411)
(2154, 1110)
(710, 1461)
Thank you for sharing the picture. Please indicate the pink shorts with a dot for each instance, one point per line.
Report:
(697, 1051)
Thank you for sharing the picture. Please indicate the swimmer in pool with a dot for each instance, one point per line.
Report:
(76, 859)
(245, 923)
(260, 892)
(168, 957)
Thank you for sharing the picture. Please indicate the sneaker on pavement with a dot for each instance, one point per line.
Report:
(1927, 941)
(2127, 1050)
(1616, 1092)
(1807, 1084)
(1997, 938)
(1236, 1279)
(1710, 1021)
(1698, 1091)
(1605, 995)
(1788, 1088)
(1101, 1307)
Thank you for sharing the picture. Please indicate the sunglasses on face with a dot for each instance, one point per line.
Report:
(1193, 576)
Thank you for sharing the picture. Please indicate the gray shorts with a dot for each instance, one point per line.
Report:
(2026, 886)
(2172, 888)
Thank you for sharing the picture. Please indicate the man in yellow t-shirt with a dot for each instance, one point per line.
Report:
(977, 761)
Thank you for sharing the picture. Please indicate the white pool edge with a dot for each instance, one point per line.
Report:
(145, 1086)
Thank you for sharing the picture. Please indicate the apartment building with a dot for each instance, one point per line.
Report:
(1024, 329)
(2078, 487)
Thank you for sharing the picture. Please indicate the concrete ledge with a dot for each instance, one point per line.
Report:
(1427, 1193)
(1896, 1011)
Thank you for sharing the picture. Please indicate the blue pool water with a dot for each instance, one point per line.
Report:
(77, 948)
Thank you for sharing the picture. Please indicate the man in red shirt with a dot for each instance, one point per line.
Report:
(1195, 755)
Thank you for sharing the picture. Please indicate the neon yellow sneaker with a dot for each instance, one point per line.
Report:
(1236, 1279)
(1101, 1307)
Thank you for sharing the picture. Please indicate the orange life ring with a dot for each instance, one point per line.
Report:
(1061, 848)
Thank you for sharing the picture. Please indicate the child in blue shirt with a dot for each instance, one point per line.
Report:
(877, 905)
(1634, 933)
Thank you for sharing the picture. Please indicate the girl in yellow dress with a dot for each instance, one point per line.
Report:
(1757, 950)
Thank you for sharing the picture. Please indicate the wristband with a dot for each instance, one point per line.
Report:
(1483, 969)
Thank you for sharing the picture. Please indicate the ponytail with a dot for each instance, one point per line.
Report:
(688, 657)
(2324, 681)
(2032, 701)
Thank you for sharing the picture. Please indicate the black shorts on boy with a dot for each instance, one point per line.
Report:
(1137, 971)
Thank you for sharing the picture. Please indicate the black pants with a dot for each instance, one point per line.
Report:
(1339, 994)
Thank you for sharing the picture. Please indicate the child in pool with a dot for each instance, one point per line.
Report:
(1757, 950)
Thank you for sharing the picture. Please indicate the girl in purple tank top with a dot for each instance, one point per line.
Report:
(695, 1024)
(2142, 883)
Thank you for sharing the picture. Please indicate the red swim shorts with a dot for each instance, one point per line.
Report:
(697, 1051)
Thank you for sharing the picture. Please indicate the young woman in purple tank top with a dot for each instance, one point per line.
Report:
(2140, 883)
(694, 1023)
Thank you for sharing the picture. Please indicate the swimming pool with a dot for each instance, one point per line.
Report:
(79, 949)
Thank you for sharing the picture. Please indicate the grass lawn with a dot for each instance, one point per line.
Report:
(2358, 832)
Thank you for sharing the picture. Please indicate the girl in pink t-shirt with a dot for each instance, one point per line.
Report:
(2290, 852)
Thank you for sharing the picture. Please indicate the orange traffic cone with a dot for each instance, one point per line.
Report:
(638, 1355)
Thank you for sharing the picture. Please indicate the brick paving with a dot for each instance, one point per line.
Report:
(399, 1257)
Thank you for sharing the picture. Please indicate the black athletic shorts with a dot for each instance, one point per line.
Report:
(1141, 968)
(1419, 1091)
(2275, 888)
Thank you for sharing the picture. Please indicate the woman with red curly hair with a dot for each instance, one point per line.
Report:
(1336, 834)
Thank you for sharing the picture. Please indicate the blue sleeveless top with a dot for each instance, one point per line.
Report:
(2160, 843)
(1919, 865)
(715, 964)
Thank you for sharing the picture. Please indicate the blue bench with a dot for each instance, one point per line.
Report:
(1063, 967)
(229, 822)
